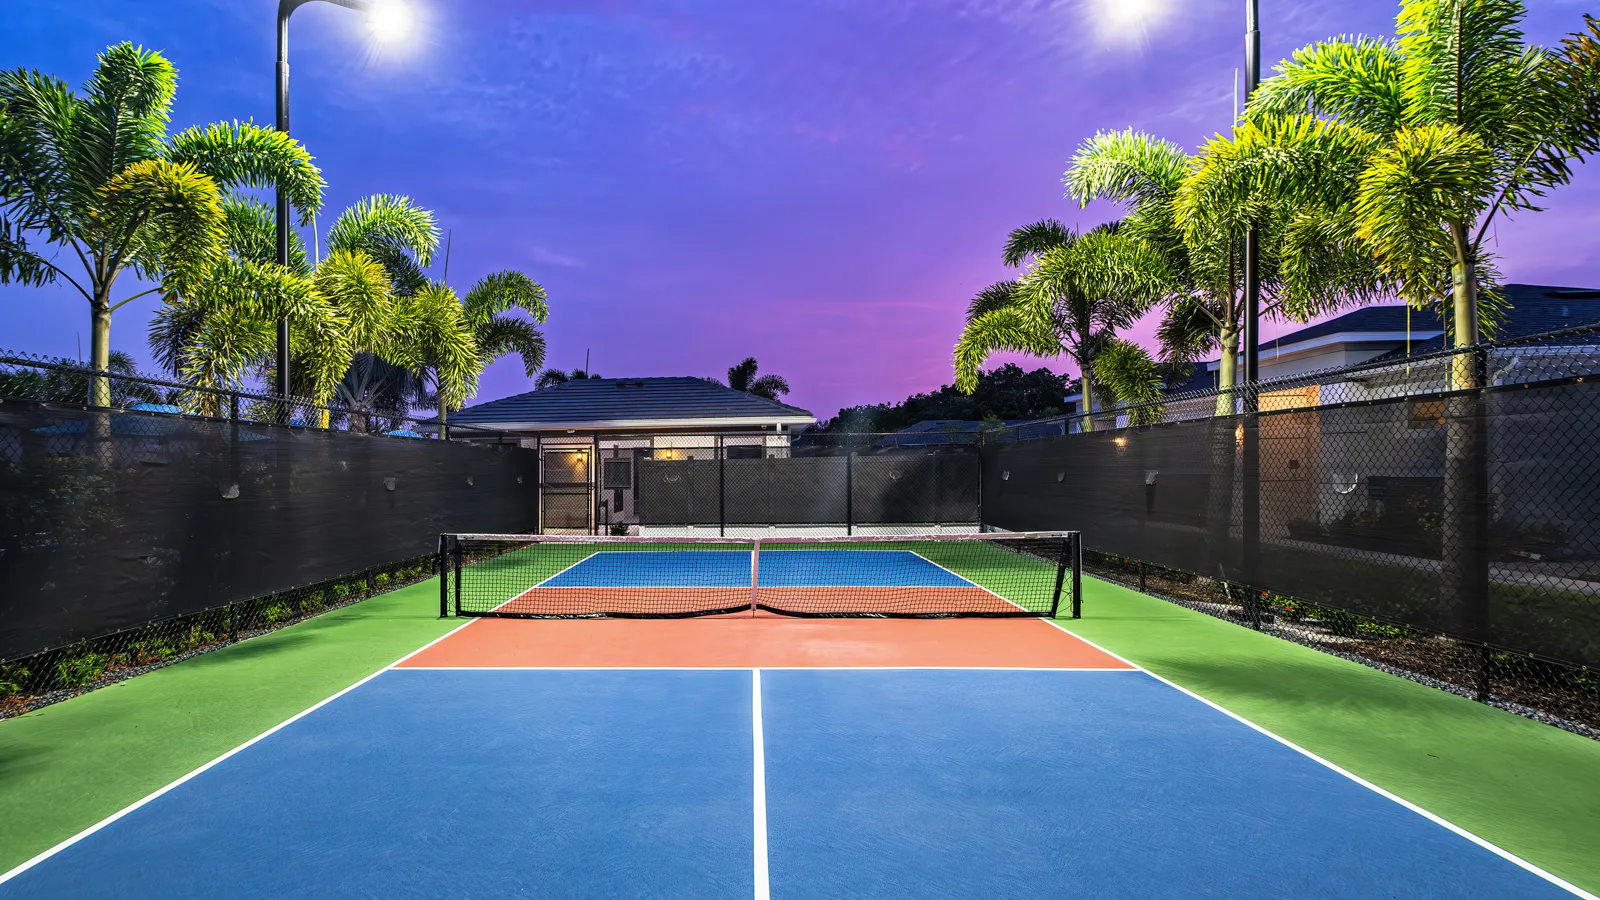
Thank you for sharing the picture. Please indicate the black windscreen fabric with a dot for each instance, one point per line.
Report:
(890, 489)
(114, 520)
(678, 492)
(1352, 505)
(785, 491)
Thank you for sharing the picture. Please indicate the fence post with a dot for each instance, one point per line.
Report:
(849, 492)
(1483, 674)
(233, 622)
(444, 577)
(722, 487)
(1250, 502)
(1142, 588)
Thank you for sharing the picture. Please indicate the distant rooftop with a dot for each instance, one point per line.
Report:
(610, 403)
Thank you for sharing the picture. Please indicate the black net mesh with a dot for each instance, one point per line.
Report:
(918, 577)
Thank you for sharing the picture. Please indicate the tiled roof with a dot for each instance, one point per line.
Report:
(1533, 309)
(598, 401)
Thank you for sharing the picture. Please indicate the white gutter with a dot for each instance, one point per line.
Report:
(1270, 350)
(621, 424)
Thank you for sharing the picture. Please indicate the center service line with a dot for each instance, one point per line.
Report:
(763, 885)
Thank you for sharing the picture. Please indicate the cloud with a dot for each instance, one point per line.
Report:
(550, 257)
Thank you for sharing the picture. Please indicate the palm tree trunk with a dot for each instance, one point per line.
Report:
(1464, 523)
(99, 425)
(1228, 371)
(1086, 384)
(100, 349)
(1224, 456)
(444, 410)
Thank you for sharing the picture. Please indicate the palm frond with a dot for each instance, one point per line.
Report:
(1127, 371)
(1355, 80)
(996, 296)
(504, 291)
(504, 335)
(390, 228)
(1032, 240)
(1125, 167)
(242, 154)
(770, 386)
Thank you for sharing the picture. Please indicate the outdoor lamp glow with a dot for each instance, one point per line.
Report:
(390, 20)
(1126, 21)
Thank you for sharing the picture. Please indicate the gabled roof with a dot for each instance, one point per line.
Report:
(609, 403)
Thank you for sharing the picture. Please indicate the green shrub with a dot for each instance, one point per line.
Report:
(275, 613)
(381, 579)
(340, 591)
(77, 671)
(12, 678)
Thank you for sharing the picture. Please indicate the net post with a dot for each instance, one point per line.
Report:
(455, 544)
(1063, 559)
(444, 577)
(1077, 574)
(755, 575)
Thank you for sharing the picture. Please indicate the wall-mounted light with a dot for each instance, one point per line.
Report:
(1120, 441)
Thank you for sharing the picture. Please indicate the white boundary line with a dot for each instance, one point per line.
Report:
(18, 870)
(1437, 820)
(759, 757)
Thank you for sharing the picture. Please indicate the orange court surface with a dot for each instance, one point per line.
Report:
(747, 642)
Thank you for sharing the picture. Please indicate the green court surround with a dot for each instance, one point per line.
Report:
(1530, 788)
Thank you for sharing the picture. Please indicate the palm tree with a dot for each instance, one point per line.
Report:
(743, 377)
(98, 174)
(497, 334)
(368, 300)
(1078, 291)
(1204, 298)
(1409, 150)
(553, 377)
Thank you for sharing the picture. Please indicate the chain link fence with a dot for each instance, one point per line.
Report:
(1436, 515)
(143, 520)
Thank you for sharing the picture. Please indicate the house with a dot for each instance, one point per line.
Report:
(1378, 333)
(589, 433)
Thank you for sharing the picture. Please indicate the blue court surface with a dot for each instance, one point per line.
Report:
(880, 783)
(778, 568)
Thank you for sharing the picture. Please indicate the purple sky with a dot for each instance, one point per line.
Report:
(822, 185)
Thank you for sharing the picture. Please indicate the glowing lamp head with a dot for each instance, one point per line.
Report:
(390, 20)
(1127, 21)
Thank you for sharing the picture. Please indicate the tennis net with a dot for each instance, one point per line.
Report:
(936, 576)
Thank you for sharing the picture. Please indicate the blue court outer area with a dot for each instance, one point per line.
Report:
(1020, 784)
(779, 568)
(439, 784)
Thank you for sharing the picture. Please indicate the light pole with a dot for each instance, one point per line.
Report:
(387, 19)
(1250, 464)
(1252, 246)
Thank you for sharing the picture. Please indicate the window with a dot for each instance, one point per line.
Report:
(1425, 414)
(742, 451)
